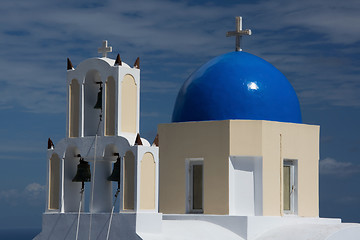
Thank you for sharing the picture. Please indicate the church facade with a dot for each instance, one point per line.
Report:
(235, 163)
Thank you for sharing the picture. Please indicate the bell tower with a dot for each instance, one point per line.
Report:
(103, 144)
(103, 97)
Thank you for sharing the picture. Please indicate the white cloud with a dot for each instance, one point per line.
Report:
(330, 166)
(34, 193)
(39, 36)
(9, 194)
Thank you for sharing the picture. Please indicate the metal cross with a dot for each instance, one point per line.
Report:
(238, 33)
(104, 48)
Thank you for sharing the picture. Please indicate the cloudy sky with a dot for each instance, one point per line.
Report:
(315, 43)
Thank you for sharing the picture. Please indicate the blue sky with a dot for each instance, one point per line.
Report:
(315, 43)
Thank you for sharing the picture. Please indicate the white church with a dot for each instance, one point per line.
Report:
(236, 163)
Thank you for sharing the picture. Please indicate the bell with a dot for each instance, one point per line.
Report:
(98, 104)
(83, 173)
(115, 176)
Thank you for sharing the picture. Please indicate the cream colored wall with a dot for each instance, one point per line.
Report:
(54, 182)
(294, 142)
(147, 182)
(245, 138)
(129, 181)
(215, 141)
(128, 104)
(180, 141)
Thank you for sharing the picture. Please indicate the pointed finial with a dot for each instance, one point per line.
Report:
(69, 65)
(138, 140)
(137, 63)
(118, 61)
(50, 144)
(156, 141)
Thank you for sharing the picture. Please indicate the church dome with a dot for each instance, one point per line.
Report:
(237, 85)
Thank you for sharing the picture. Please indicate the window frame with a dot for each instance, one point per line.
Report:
(293, 164)
(189, 163)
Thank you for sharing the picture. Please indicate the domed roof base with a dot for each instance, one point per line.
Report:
(237, 85)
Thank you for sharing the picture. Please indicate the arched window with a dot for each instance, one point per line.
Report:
(54, 182)
(147, 182)
(71, 189)
(110, 107)
(74, 108)
(91, 115)
(128, 104)
(129, 181)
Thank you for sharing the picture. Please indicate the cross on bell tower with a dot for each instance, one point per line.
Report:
(104, 49)
(238, 33)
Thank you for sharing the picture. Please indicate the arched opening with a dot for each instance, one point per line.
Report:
(147, 182)
(54, 182)
(128, 104)
(110, 158)
(74, 108)
(71, 189)
(129, 181)
(91, 115)
(110, 107)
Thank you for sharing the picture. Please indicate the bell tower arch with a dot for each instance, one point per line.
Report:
(104, 98)
(129, 104)
(91, 114)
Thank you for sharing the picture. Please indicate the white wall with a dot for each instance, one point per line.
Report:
(245, 185)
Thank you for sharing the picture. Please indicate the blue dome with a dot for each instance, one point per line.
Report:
(237, 85)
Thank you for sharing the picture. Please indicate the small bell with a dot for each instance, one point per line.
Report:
(98, 104)
(115, 176)
(83, 173)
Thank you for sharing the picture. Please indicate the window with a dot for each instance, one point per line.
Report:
(290, 186)
(195, 185)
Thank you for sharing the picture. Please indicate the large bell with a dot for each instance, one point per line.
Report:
(83, 173)
(115, 176)
(98, 104)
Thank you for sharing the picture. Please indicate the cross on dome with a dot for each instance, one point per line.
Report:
(238, 33)
(104, 49)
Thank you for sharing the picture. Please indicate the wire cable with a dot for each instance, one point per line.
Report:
(92, 187)
(78, 220)
(112, 212)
